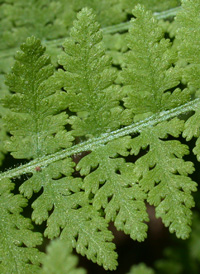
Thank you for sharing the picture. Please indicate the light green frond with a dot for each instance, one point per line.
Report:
(100, 137)
(56, 196)
(89, 234)
(22, 18)
(71, 215)
(194, 241)
(37, 124)
(88, 79)
(35, 121)
(163, 175)
(192, 129)
(188, 41)
(16, 232)
(108, 12)
(141, 269)
(60, 260)
(150, 76)
(115, 188)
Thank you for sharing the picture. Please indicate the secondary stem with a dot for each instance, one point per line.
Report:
(101, 140)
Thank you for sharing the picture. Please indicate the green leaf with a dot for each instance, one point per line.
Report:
(82, 99)
(60, 260)
(141, 269)
(89, 233)
(22, 18)
(188, 41)
(57, 185)
(107, 12)
(191, 129)
(149, 75)
(37, 125)
(163, 175)
(71, 215)
(35, 122)
(88, 79)
(18, 252)
(115, 188)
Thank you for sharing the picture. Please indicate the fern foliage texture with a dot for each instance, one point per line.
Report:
(97, 139)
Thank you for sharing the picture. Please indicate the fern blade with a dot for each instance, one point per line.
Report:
(63, 262)
(15, 232)
(188, 34)
(32, 105)
(91, 237)
(88, 79)
(164, 175)
(120, 196)
(151, 58)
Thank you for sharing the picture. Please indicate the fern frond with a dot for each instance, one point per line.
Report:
(54, 196)
(72, 217)
(88, 231)
(150, 75)
(115, 188)
(48, 21)
(38, 130)
(188, 42)
(77, 202)
(108, 12)
(16, 232)
(192, 129)
(59, 259)
(148, 78)
(88, 79)
(141, 269)
(35, 121)
(20, 19)
(81, 225)
(188, 35)
(163, 174)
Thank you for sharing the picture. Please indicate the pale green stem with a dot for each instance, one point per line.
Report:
(125, 26)
(103, 139)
